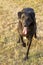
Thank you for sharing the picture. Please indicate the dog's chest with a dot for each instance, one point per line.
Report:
(24, 38)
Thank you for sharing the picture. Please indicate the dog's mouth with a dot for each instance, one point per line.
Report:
(24, 31)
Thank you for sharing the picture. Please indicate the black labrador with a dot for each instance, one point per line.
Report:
(26, 26)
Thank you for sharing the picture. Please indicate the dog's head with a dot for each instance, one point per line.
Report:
(25, 19)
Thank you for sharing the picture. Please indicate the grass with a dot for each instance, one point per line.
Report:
(12, 53)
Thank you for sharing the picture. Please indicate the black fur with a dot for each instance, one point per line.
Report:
(27, 19)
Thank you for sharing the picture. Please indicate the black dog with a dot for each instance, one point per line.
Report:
(26, 26)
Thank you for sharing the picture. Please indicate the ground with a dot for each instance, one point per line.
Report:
(11, 52)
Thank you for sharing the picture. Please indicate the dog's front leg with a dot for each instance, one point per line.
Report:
(23, 43)
(29, 44)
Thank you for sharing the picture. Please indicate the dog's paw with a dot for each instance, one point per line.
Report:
(25, 58)
(24, 45)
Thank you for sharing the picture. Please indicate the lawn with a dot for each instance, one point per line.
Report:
(11, 52)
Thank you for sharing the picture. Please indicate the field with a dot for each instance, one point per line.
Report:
(11, 52)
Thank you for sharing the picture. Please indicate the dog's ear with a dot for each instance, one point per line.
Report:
(19, 14)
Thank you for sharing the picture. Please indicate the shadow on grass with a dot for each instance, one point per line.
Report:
(37, 55)
(40, 38)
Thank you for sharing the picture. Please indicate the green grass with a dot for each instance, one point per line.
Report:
(11, 52)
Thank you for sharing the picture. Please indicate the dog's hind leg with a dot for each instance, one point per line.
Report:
(35, 35)
(18, 41)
